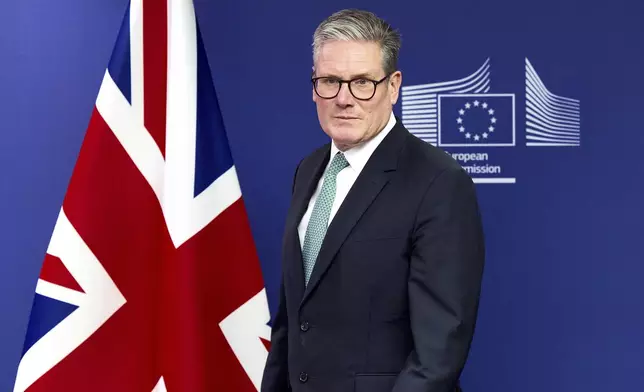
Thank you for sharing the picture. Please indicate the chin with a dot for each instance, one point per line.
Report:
(346, 137)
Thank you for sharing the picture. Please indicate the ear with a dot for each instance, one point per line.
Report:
(312, 87)
(395, 80)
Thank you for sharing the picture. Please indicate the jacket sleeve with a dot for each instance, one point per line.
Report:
(275, 378)
(446, 268)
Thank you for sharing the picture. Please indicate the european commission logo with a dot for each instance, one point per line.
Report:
(464, 117)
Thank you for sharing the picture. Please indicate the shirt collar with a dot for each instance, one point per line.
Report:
(359, 155)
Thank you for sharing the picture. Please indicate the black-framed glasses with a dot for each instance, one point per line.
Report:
(328, 87)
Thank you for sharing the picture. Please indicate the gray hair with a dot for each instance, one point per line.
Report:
(359, 25)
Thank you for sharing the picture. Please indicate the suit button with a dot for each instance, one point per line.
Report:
(304, 326)
(304, 377)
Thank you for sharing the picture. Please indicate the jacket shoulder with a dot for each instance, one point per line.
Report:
(426, 160)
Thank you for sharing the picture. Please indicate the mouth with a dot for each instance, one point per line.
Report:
(346, 118)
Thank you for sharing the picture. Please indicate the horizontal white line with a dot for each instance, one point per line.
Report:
(420, 121)
(550, 139)
(427, 125)
(494, 180)
(417, 116)
(549, 136)
(538, 144)
(411, 98)
(508, 144)
(406, 112)
(475, 95)
(407, 102)
(549, 109)
(430, 106)
(550, 119)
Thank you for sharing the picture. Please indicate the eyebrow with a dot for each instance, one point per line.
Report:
(364, 75)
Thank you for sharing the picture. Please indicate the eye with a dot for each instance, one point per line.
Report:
(360, 82)
(329, 81)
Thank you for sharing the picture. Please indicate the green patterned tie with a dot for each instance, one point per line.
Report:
(316, 230)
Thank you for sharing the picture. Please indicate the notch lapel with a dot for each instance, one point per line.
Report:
(373, 178)
(307, 180)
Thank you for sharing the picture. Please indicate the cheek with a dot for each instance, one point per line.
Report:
(370, 111)
(322, 103)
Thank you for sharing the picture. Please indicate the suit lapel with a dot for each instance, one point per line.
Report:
(370, 182)
(307, 180)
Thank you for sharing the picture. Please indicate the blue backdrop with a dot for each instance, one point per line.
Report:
(562, 298)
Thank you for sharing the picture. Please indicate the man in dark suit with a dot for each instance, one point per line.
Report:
(383, 248)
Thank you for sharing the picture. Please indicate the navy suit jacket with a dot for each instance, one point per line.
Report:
(393, 298)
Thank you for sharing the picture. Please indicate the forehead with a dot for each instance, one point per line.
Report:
(349, 58)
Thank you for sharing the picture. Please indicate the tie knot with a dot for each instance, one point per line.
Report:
(338, 163)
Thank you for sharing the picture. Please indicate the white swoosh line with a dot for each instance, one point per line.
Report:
(102, 299)
(532, 74)
(480, 84)
(546, 122)
(547, 136)
(549, 141)
(551, 132)
(549, 106)
(446, 86)
(555, 104)
(550, 119)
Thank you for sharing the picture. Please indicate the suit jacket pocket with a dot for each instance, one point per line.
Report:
(358, 238)
(375, 382)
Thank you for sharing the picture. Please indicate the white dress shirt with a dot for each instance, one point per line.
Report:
(357, 158)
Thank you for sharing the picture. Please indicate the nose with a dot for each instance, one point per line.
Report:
(344, 97)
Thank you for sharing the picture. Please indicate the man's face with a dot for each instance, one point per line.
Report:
(347, 120)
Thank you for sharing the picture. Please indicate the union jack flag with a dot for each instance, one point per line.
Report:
(151, 280)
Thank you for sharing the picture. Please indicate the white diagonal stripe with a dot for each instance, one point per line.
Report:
(60, 293)
(135, 139)
(243, 328)
(181, 126)
(102, 300)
